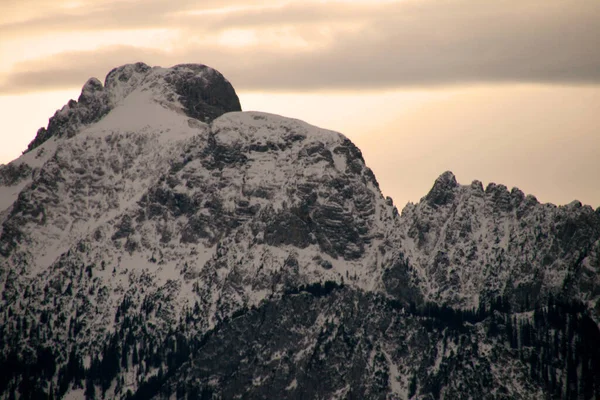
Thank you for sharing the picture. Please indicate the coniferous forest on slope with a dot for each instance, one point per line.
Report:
(557, 344)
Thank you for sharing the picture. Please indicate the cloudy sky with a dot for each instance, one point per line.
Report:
(504, 91)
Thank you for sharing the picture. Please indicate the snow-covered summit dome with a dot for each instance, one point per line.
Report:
(197, 90)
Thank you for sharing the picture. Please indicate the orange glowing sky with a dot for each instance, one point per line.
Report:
(505, 91)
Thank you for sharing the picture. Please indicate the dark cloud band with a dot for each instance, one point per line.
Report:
(401, 44)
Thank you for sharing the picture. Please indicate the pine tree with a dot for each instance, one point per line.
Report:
(412, 387)
(90, 390)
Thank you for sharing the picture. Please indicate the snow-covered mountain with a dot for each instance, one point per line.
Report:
(157, 242)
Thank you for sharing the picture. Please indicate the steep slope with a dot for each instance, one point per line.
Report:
(157, 242)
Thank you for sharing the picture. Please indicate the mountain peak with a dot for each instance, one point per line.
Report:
(203, 92)
(442, 191)
(91, 86)
(447, 178)
(197, 90)
(123, 80)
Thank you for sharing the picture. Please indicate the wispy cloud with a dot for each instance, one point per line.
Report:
(352, 46)
(87, 15)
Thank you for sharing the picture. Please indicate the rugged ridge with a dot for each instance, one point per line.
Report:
(160, 243)
(472, 244)
(202, 91)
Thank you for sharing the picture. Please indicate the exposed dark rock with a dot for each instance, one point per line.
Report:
(400, 284)
(218, 155)
(500, 197)
(289, 228)
(10, 238)
(124, 228)
(317, 152)
(442, 191)
(93, 104)
(14, 173)
(203, 91)
(350, 150)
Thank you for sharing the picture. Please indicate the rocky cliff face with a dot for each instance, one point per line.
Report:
(156, 242)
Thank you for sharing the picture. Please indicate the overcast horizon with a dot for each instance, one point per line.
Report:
(505, 91)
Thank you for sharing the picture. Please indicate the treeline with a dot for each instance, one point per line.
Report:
(317, 289)
(435, 316)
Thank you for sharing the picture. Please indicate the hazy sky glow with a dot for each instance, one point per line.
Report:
(505, 91)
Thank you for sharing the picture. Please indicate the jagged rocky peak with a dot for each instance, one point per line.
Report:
(443, 189)
(92, 86)
(197, 90)
(471, 244)
(446, 190)
(476, 185)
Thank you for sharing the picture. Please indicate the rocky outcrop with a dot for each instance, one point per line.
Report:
(443, 190)
(203, 91)
(13, 173)
(92, 105)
